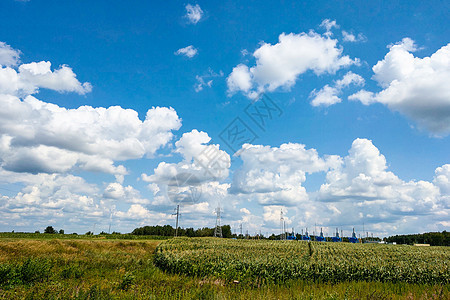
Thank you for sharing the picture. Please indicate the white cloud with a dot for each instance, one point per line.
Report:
(200, 171)
(326, 96)
(206, 80)
(442, 180)
(273, 176)
(348, 79)
(330, 95)
(9, 57)
(245, 211)
(272, 214)
(350, 37)
(29, 78)
(365, 97)
(280, 65)
(240, 79)
(188, 51)
(363, 184)
(50, 197)
(118, 192)
(415, 87)
(328, 25)
(48, 137)
(358, 188)
(194, 13)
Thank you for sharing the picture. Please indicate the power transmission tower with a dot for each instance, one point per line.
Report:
(240, 228)
(178, 214)
(218, 229)
(110, 221)
(282, 226)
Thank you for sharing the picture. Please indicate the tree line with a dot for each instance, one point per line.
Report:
(168, 230)
(432, 238)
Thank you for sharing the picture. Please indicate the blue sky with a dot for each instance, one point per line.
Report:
(141, 91)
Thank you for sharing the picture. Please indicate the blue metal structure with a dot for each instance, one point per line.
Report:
(291, 237)
(321, 238)
(336, 238)
(353, 239)
(306, 237)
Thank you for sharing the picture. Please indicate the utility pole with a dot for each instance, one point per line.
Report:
(176, 226)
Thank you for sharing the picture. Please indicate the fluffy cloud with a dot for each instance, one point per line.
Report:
(328, 25)
(442, 180)
(72, 203)
(415, 87)
(117, 191)
(193, 13)
(27, 79)
(358, 189)
(188, 51)
(199, 173)
(48, 198)
(30, 77)
(48, 137)
(272, 214)
(330, 95)
(8, 56)
(280, 65)
(361, 189)
(273, 176)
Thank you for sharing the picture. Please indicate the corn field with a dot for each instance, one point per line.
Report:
(262, 261)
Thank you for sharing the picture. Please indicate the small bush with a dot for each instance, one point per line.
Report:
(30, 271)
(127, 281)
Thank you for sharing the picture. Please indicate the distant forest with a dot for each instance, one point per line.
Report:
(168, 230)
(432, 238)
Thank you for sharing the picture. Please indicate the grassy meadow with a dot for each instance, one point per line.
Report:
(74, 267)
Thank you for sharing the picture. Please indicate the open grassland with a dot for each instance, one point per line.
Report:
(125, 269)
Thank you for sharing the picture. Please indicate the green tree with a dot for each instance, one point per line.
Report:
(50, 229)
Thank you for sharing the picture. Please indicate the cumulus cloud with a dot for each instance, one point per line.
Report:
(48, 137)
(358, 189)
(193, 13)
(274, 175)
(273, 213)
(49, 197)
(116, 191)
(29, 78)
(330, 95)
(188, 51)
(361, 189)
(415, 87)
(280, 65)
(200, 171)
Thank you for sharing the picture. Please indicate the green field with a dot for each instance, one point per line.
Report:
(202, 268)
(278, 261)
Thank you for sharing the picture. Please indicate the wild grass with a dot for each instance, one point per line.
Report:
(124, 269)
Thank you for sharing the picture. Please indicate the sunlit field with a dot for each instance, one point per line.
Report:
(208, 268)
(278, 261)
